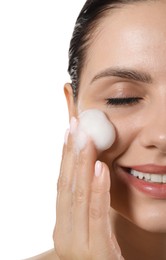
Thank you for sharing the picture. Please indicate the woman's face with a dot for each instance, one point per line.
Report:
(125, 77)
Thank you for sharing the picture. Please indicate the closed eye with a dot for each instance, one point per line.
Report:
(123, 101)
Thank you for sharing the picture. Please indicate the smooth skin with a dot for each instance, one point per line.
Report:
(133, 38)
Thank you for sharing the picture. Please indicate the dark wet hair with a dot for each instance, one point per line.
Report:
(85, 25)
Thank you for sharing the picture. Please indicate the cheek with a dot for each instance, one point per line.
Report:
(127, 122)
(127, 139)
(127, 131)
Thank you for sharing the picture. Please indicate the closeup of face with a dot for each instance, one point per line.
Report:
(124, 76)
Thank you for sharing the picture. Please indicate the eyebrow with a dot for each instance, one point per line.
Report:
(124, 73)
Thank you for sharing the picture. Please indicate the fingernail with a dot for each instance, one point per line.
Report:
(98, 168)
(73, 125)
(66, 136)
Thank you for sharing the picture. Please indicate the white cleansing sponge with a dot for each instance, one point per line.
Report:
(96, 125)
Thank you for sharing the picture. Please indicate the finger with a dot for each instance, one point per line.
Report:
(84, 175)
(99, 220)
(116, 247)
(64, 186)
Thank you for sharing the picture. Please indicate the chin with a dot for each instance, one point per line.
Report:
(152, 226)
(148, 214)
(154, 222)
(150, 218)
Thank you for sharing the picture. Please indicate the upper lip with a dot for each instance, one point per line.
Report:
(148, 168)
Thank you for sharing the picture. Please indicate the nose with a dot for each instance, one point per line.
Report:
(153, 134)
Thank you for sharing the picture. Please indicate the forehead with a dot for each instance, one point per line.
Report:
(132, 35)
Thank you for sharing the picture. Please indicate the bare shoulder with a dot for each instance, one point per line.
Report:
(49, 255)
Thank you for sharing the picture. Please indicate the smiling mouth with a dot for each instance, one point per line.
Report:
(147, 177)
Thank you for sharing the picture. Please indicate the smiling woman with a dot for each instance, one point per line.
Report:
(111, 204)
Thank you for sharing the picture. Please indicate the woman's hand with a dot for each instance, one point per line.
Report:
(82, 229)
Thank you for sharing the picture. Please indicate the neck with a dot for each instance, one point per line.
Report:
(136, 243)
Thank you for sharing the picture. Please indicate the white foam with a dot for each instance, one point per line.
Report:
(95, 124)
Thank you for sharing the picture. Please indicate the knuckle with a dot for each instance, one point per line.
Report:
(98, 189)
(62, 183)
(80, 195)
(82, 160)
(95, 213)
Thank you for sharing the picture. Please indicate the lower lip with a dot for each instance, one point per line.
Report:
(154, 190)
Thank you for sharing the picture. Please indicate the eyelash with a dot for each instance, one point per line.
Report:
(123, 101)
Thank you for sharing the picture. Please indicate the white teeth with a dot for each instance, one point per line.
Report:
(157, 178)
(147, 176)
(164, 178)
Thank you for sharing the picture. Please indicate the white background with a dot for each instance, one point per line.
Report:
(34, 41)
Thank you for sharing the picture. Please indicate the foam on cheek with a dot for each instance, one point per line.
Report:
(94, 124)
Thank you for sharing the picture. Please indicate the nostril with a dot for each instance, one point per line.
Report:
(153, 139)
